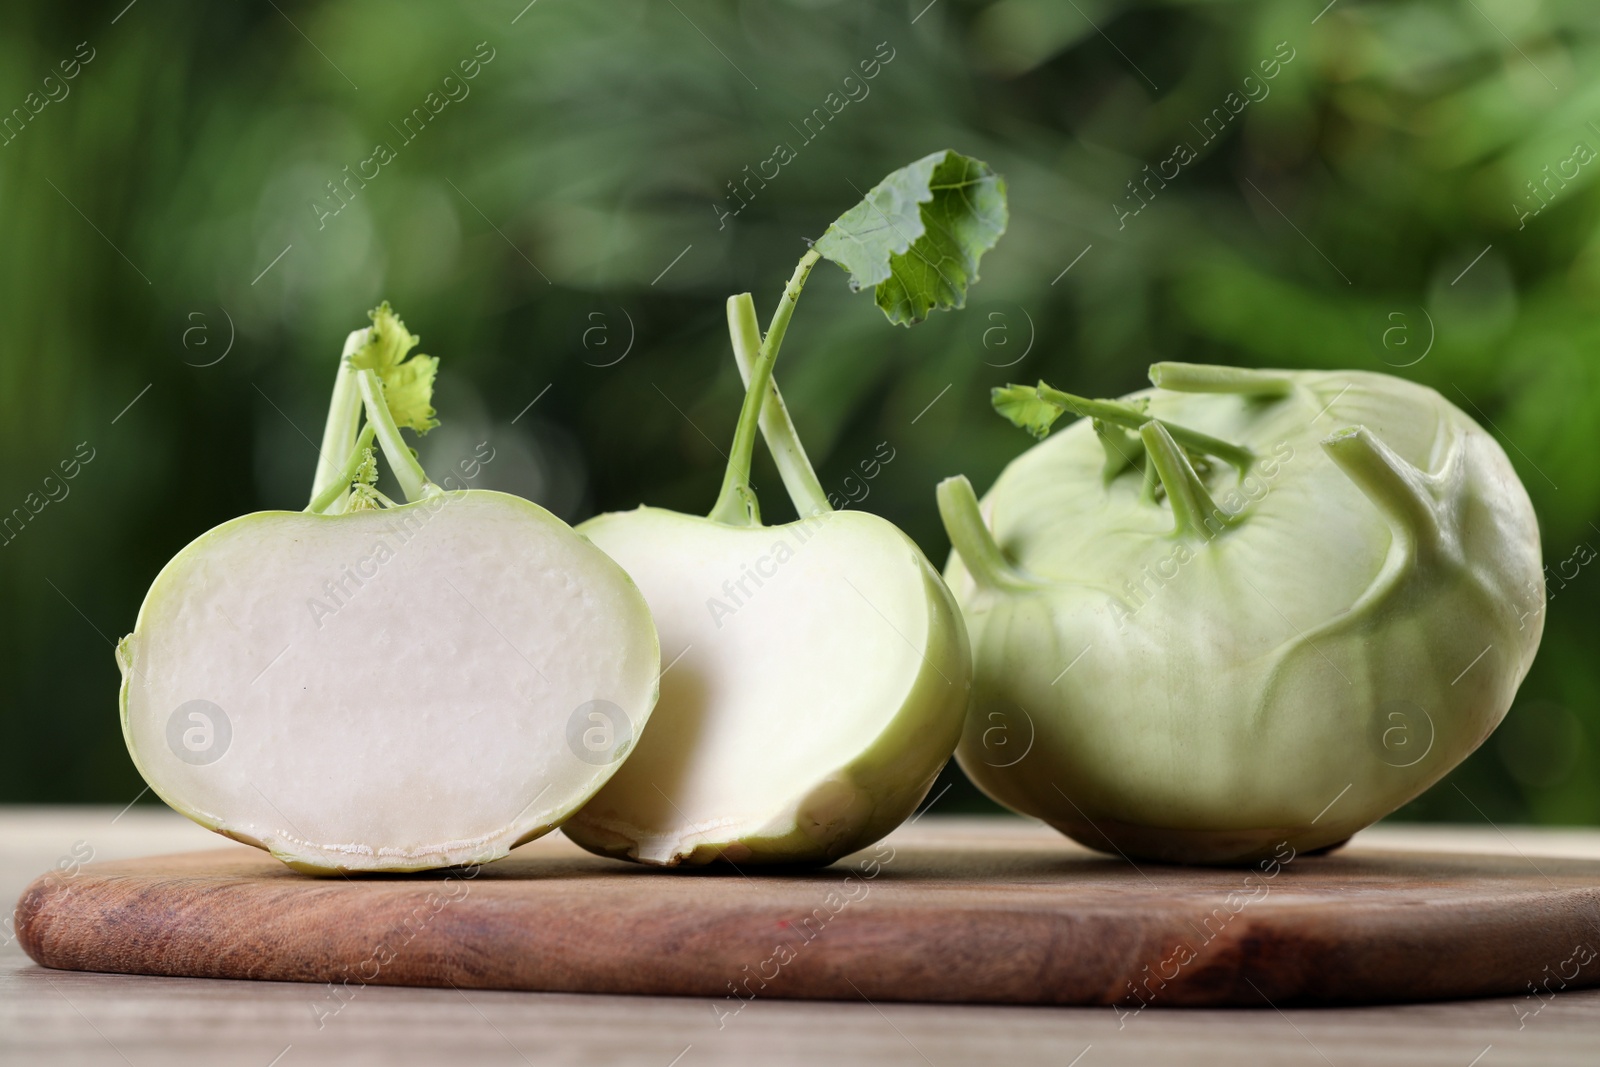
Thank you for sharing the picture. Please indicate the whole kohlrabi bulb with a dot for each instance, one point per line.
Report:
(1240, 609)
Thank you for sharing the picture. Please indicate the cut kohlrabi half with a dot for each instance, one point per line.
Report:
(818, 671)
(368, 686)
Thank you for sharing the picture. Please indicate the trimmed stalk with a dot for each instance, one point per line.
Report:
(1120, 446)
(412, 478)
(1147, 488)
(1395, 486)
(344, 415)
(985, 560)
(1193, 510)
(1201, 378)
(1129, 417)
(776, 426)
(736, 504)
(339, 484)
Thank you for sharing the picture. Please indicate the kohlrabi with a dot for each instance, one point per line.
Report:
(370, 686)
(1242, 609)
(819, 671)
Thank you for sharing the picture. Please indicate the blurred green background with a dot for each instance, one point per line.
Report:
(1406, 193)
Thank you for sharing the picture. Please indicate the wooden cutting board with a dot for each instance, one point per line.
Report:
(994, 911)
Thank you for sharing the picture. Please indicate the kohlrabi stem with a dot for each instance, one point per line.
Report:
(1193, 510)
(1121, 449)
(736, 503)
(407, 471)
(342, 478)
(344, 415)
(777, 428)
(1395, 486)
(1201, 378)
(986, 562)
(1132, 418)
(1147, 487)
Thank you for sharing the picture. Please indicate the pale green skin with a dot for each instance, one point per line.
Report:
(1247, 703)
(870, 783)
(850, 805)
(859, 753)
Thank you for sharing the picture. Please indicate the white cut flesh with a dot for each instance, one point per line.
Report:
(793, 655)
(396, 687)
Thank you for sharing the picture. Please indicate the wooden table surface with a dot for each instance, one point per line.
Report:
(64, 1018)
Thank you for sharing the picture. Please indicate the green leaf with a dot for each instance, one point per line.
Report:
(387, 342)
(1025, 408)
(407, 382)
(916, 238)
(408, 390)
(364, 485)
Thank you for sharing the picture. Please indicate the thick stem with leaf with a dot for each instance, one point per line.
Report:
(1167, 452)
(378, 377)
(1036, 408)
(915, 240)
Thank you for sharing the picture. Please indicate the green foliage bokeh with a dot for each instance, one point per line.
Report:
(1405, 193)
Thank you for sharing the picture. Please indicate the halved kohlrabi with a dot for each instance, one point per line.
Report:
(819, 670)
(1241, 611)
(368, 686)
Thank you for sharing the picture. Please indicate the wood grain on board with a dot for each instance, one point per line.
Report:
(1009, 914)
